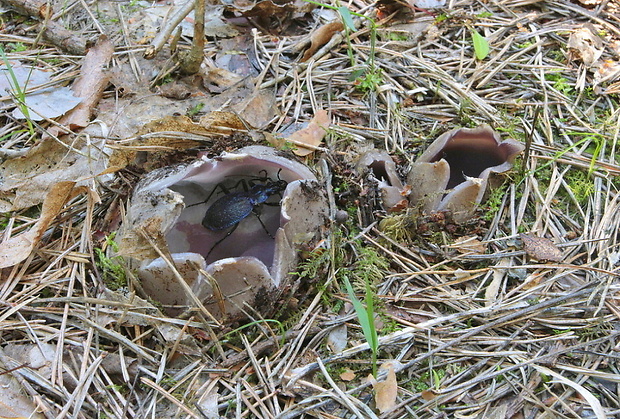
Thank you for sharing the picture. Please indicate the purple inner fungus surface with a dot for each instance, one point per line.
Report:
(470, 154)
(249, 237)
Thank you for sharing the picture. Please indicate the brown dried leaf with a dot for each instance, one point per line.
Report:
(586, 45)
(134, 152)
(590, 2)
(218, 80)
(27, 179)
(541, 248)
(275, 140)
(386, 391)
(321, 37)
(312, 135)
(608, 70)
(89, 85)
(14, 399)
(492, 290)
(258, 109)
(18, 248)
(222, 122)
(428, 395)
(348, 375)
(400, 206)
(469, 244)
(261, 9)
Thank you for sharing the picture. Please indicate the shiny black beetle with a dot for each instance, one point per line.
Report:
(232, 208)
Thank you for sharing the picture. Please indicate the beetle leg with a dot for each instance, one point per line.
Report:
(262, 224)
(231, 231)
(224, 189)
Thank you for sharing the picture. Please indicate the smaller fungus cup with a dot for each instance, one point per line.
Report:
(383, 170)
(222, 270)
(453, 173)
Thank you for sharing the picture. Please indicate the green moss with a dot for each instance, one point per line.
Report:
(442, 17)
(370, 266)
(465, 114)
(525, 45)
(557, 55)
(369, 81)
(560, 83)
(195, 110)
(484, 15)
(397, 36)
(580, 184)
(112, 268)
(494, 202)
(15, 47)
(4, 221)
(400, 227)
(389, 325)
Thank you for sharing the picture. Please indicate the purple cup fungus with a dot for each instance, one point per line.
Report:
(383, 170)
(453, 173)
(249, 264)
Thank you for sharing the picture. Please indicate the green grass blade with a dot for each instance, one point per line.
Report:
(370, 313)
(360, 310)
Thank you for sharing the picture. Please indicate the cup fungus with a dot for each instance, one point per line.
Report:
(383, 170)
(224, 269)
(453, 173)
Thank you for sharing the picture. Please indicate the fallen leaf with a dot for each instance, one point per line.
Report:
(89, 86)
(275, 140)
(18, 248)
(541, 248)
(428, 395)
(348, 375)
(401, 205)
(14, 400)
(469, 245)
(308, 138)
(590, 398)
(586, 45)
(258, 109)
(28, 178)
(91, 82)
(219, 79)
(428, 4)
(25, 76)
(50, 102)
(608, 70)
(222, 122)
(492, 290)
(337, 339)
(160, 147)
(175, 90)
(208, 403)
(47, 104)
(386, 391)
(590, 2)
(321, 37)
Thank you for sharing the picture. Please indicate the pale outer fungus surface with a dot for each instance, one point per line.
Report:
(451, 175)
(247, 263)
(453, 172)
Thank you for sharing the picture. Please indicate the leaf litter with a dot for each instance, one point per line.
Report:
(24, 86)
(473, 323)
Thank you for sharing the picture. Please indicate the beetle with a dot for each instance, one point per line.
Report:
(232, 208)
